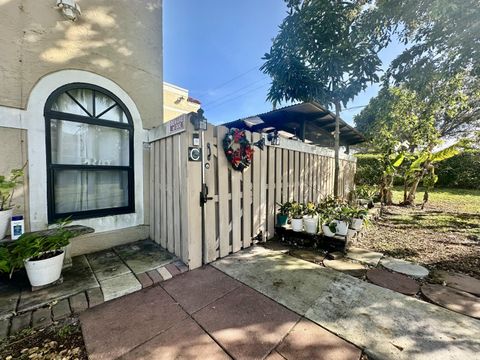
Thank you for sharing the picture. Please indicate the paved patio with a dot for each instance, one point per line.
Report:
(205, 314)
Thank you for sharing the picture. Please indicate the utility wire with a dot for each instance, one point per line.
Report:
(236, 97)
(256, 67)
(234, 92)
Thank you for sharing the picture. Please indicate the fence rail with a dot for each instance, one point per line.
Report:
(243, 204)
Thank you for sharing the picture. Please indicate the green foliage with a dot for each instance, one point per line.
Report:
(366, 192)
(284, 208)
(7, 187)
(369, 170)
(323, 52)
(296, 210)
(460, 171)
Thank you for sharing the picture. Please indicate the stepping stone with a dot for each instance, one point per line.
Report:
(335, 255)
(308, 256)
(350, 268)
(364, 256)
(143, 256)
(404, 267)
(119, 286)
(393, 281)
(107, 264)
(452, 299)
(459, 281)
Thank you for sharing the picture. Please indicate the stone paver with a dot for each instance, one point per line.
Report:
(8, 300)
(245, 323)
(393, 281)
(164, 273)
(388, 325)
(145, 280)
(404, 267)
(143, 256)
(308, 341)
(107, 264)
(308, 255)
(455, 300)
(95, 297)
(20, 322)
(335, 255)
(198, 288)
(345, 266)
(172, 269)
(185, 340)
(76, 279)
(61, 309)
(115, 328)
(181, 266)
(41, 317)
(155, 276)
(4, 327)
(78, 303)
(364, 256)
(119, 286)
(459, 281)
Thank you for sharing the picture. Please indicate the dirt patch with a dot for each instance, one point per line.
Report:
(63, 340)
(438, 237)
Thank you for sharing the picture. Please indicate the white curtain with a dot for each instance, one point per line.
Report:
(76, 143)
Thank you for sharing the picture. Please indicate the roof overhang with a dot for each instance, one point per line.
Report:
(308, 121)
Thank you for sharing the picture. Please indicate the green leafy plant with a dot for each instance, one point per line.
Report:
(284, 209)
(7, 187)
(310, 209)
(297, 210)
(366, 192)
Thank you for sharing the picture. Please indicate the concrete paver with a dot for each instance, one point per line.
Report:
(185, 341)
(460, 281)
(404, 267)
(364, 256)
(393, 281)
(247, 324)
(347, 267)
(143, 256)
(115, 328)
(107, 264)
(198, 288)
(119, 286)
(308, 341)
(388, 325)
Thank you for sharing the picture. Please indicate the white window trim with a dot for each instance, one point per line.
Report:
(32, 119)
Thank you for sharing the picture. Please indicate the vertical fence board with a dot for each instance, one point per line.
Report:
(256, 172)
(284, 175)
(176, 193)
(236, 211)
(153, 193)
(169, 187)
(163, 193)
(302, 178)
(223, 202)
(185, 224)
(278, 175)
(263, 193)
(247, 202)
(291, 169)
(210, 216)
(296, 181)
(271, 192)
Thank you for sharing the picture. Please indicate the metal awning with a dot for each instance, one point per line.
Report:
(309, 121)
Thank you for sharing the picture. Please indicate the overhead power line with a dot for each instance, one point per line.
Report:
(236, 97)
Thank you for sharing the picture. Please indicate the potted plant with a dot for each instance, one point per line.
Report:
(7, 189)
(342, 219)
(329, 228)
(296, 212)
(283, 212)
(310, 218)
(42, 253)
(358, 216)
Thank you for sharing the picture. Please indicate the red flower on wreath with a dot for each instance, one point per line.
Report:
(241, 157)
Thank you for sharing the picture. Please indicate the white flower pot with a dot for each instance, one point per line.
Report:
(327, 231)
(297, 225)
(342, 227)
(5, 217)
(311, 224)
(356, 224)
(44, 272)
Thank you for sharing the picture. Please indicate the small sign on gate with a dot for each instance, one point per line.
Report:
(176, 125)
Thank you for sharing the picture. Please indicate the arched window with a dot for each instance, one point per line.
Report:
(89, 135)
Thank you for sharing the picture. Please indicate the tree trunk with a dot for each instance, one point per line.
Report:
(337, 149)
(413, 190)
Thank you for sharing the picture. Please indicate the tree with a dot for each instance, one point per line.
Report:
(323, 52)
(443, 37)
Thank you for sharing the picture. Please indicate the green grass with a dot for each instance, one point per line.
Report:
(451, 200)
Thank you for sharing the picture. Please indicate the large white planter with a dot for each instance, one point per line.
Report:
(297, 225)
(356, 224)
(44, 272)
(327, 231)
(342, 227)
(311, 224)
(5, 217)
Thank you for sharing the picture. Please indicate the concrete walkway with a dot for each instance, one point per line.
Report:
(386, 324)
(205, 314)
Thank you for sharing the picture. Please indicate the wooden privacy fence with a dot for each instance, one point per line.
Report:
(243, 204)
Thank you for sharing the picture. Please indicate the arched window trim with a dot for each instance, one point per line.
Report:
(50, 115)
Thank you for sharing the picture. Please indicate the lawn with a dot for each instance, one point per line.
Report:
(445, 235)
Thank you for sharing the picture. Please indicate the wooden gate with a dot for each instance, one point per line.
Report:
(243, 204)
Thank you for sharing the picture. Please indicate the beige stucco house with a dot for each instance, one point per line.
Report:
(176, 102)
(76, 101)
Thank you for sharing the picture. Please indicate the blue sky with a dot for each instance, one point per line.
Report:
(214, 49)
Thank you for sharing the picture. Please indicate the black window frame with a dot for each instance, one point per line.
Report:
(50, 115)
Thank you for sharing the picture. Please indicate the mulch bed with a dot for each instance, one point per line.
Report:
(438, 238)
(63, 340)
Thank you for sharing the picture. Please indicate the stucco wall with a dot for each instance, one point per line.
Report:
(13, 152)
(176, 102)
(120, 40)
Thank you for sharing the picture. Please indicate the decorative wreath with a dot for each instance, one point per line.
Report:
(239, 156)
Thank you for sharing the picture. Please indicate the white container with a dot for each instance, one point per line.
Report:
(356, 224)
(44, 272)
(17, 227)
(311, 224)
(327, 231)
(297, 225)
(342, 227)
(5, 217)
